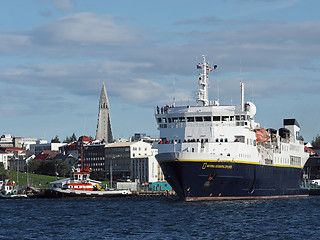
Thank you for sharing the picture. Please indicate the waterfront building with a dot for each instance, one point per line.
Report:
(104, 131)
(14, 158)
(94, 156)
(132, 161)
(118, 158)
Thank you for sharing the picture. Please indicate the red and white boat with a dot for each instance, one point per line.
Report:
(80, 185)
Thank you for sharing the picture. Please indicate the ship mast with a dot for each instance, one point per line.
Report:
(203, 83)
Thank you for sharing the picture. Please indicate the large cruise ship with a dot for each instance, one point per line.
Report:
(217, 152)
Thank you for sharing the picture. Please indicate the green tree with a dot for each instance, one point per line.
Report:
(3, 173)
(33, 166)
(73, 138)
(49, 167)
(55, 139)
(316, 142)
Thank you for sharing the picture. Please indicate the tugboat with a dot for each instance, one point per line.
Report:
(218, 152)
(80, 185)
(9, 190)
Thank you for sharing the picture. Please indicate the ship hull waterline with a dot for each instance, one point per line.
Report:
(197, 180)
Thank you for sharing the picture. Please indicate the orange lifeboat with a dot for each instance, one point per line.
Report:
(262, 135)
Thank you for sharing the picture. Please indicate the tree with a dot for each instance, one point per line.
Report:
(316, 142)
(49, 167)
(55, 140)
(71, 139)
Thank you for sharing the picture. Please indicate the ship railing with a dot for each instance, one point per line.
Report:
(265, 154)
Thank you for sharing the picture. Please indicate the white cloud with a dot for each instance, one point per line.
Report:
(64, 5)
(85, 29)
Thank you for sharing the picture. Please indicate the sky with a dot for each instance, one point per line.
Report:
(56, 54)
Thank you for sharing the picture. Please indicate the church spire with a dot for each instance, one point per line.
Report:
(104, 131)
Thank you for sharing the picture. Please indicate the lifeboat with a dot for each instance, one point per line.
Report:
(262, 135)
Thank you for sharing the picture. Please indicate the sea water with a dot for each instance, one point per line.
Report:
(158, 218)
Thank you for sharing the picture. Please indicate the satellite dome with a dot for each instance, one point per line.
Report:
(250, 108)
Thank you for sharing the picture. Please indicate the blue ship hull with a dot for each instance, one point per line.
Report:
(203, 180)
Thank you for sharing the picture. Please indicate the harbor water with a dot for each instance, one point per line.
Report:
(158, 218)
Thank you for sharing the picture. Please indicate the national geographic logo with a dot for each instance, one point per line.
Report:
(206, 165)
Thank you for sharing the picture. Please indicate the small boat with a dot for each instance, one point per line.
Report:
(9, 190)
(80, 185)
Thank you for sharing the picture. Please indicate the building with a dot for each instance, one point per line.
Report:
(104, 131)
(13, 158)
(94, 156)
(4, 159)
(311, 168)
(42, 145)
(146, 169)
(132, 161)
(74, 148)
(118, 158)
(7, 140)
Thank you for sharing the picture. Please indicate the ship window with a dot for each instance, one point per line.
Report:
(159, 120)
(199, 119)
(190, 119)
(226, 139)
(221, 139)
(217, 140)
(237, 118)
(207, 118)
(231, 118)
(182, 119)
(239, 139)
(169, 120)
(175, 120)
(163, 120)
(243, 117)
(225, 118)
(216, 118)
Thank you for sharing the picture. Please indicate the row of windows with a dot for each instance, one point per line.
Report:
(204, 119)
(136, 149)
(94, 159)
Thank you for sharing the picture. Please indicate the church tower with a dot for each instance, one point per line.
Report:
(104, 131)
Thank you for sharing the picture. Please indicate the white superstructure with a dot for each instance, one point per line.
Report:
(227, 133)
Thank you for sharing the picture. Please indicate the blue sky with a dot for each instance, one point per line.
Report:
(55, 55)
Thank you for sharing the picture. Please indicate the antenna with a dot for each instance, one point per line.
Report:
(242, 96)
(203, 82)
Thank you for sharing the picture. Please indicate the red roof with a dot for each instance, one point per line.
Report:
(84, 139)
(41, 157)
(11, 149)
